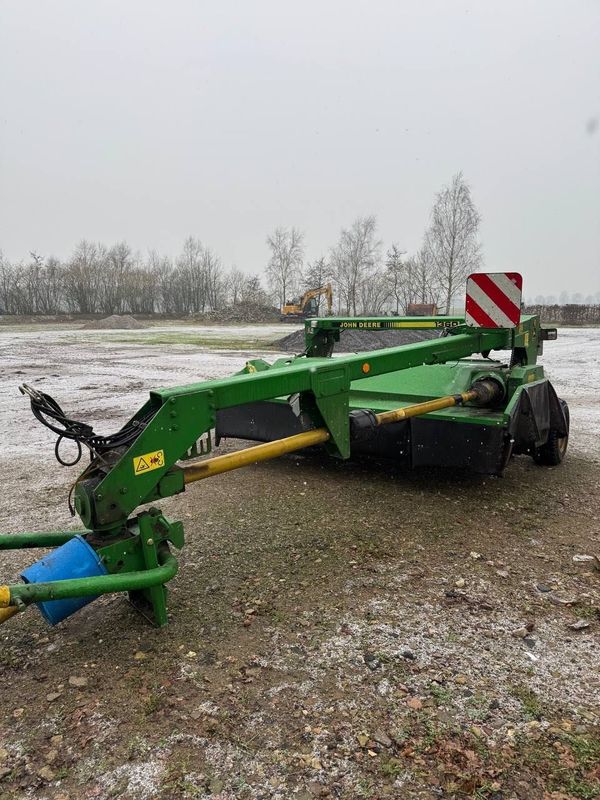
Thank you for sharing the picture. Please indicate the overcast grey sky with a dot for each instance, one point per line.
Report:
(149, 121)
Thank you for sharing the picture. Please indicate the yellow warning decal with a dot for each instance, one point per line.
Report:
(148, 462)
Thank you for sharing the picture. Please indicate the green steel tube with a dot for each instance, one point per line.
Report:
(84, 587)
(16, 541)
(254, 455)
(298, 377)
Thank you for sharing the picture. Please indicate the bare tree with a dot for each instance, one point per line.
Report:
(235, 282)
(374, 293)
(214, 282)
(12, 288)
(31, 280)
(82, 278)
(140, 288)
(114, 267)
(192, 297)
(426, 288)
(253, 292)
(451, 242)
(160, 270)
(317, 274)
(51, 288)
(398, 278)
(6, 286)
(354, 259)
(32, 288)
(285, 265)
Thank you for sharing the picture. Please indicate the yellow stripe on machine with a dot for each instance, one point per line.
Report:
(416, 324)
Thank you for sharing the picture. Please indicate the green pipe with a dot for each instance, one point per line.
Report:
(84, 587)
(15, 541)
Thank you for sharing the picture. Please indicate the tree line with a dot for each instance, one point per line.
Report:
(100, 279)
(97, 279)
(567, 314)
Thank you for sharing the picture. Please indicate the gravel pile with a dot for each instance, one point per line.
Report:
(241, 312)
(116, 322)
(353, 341)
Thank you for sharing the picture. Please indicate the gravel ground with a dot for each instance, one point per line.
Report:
(342, 630)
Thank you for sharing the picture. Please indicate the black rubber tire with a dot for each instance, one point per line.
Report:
(553, 452)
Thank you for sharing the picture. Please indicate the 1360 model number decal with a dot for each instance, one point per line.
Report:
(380, 325)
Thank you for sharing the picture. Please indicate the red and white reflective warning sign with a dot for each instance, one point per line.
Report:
(493, 299)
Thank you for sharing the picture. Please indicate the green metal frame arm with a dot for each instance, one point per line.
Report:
(25, 594)
(300, 375)
(185, 413)
(16, 541)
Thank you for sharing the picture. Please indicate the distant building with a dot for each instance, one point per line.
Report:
(422, 310)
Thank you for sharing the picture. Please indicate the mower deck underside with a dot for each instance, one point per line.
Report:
(460, 437)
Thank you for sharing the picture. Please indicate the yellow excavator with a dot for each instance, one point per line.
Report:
(306, 306)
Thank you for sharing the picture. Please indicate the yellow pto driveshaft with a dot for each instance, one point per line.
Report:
(484, 391)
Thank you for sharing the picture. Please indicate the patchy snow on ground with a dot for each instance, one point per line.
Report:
(72, 333)
(102, 381)
(572, 363)
(101, 378)
(321, 690)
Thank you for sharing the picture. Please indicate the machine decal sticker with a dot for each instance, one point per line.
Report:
(148, 462)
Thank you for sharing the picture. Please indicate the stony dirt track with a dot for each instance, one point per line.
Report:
(338, 630)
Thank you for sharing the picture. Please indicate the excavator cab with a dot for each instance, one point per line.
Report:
(306, 306)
